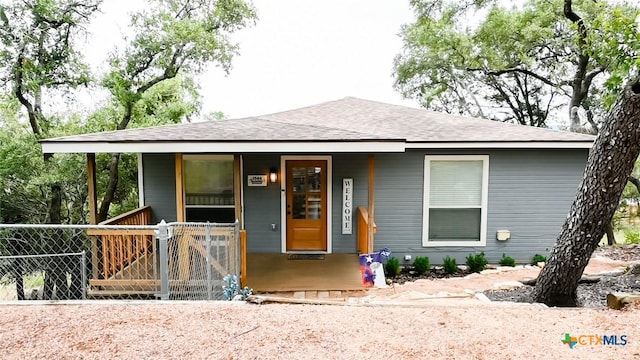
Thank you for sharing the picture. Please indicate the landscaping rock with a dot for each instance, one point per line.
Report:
(507, 285)
(489, 271)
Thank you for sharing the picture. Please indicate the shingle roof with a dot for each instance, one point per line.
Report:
(246, 129)
(349, 119)
(416, 125)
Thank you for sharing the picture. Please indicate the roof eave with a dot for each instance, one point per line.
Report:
(59, 147)
(501, 145)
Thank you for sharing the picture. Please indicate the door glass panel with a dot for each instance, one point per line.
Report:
(299, 206)
(307, 200)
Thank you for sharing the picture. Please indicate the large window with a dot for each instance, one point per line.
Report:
(208, 187)
(455, 200)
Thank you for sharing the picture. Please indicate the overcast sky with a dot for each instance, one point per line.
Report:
(299, 53)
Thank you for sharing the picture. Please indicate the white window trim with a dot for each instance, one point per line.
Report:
(425, 207)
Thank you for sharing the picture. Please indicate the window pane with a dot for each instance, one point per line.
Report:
(455, 183)
(306, 188)
(454, 224)
(209, 180)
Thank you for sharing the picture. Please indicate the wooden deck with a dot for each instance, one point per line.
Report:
(275, 272)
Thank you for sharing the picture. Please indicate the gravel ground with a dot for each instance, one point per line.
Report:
(439, 327)
(221, 330)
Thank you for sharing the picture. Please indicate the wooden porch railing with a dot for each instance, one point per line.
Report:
(364, 245)
(114, 250)
(243, 257)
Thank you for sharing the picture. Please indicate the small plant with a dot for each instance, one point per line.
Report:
(631, 237)
(231, 289)
(507, 261)
(392, 267)
(450, 266)
(476, 262)
(537, 258)
(421, 264)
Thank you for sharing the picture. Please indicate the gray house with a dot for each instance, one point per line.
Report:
(354, 175)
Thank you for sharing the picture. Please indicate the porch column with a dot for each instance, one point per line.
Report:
(371, 202)
(183, 241)
(237, 190)
(180, 211)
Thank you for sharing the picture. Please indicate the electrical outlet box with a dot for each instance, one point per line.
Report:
(503, 235)
(407, 258)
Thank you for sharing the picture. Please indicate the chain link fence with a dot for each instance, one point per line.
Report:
(182, 261)
(200, 256)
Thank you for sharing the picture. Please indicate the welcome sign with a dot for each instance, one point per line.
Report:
(347, 205)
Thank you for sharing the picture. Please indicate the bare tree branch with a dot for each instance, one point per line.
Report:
(516, 70)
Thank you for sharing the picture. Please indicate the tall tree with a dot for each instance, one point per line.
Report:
(523, 63)
(174, 37)
(611, 161)
(520, 64)
(38, 57)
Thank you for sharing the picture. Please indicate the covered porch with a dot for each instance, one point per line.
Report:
(125, 261)
(290, 272)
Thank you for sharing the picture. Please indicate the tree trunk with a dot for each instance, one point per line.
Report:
(610, 163)
(55, 285)
(18, 265)
(611, 238)
(110, 191)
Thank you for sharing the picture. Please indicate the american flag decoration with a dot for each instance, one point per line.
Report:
(367, 271)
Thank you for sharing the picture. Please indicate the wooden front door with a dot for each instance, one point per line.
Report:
(306, 194)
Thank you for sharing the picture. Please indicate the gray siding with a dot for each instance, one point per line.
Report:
(354, 166)
(159, 183)
(530, 194)
(262, 205)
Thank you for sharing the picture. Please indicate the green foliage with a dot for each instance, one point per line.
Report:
(172, 37)
(538, 258)
(476, 262)
(392, 267)
(151, 79)
(38, 54)
(450, 266)
(421, 264)
(631, 237)
(507, 261)
(513, 62)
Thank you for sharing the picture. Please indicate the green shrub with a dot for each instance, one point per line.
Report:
(421, 264)
(631, 237)
(507, 261)
(476, 262)
(538, 258)
(450, 266)
(392, 267)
